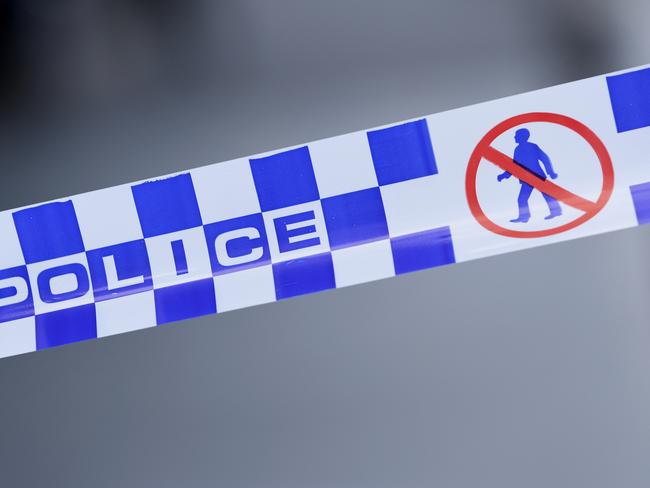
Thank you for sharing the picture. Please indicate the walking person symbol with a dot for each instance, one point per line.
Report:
(529, 155)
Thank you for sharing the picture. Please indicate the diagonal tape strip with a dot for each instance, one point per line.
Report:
(336, 212)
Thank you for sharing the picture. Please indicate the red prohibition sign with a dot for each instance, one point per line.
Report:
(484, 150)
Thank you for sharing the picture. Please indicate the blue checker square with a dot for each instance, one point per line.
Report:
(185, 301)
(48, 231)
(629, 94)
(284, 179)
(641, 199)
(423, 250)
(355, 218)
(241, 243)
(12, 290)
(120, 270)
(167, 205)
(402, 152)
(66, 326)
(303, 275)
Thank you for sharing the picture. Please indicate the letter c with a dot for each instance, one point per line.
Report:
(242, 241)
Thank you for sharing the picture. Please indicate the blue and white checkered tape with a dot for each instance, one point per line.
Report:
(332, 213)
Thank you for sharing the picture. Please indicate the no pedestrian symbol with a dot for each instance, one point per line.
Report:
(531, 179)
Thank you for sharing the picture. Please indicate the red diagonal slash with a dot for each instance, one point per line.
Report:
(545, 186)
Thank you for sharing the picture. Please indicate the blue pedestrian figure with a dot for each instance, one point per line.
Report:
(528, 155)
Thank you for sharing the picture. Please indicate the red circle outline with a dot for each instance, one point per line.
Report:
(578, 127)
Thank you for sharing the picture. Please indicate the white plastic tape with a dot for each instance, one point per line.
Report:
(537, 168)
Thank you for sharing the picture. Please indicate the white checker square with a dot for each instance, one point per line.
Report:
(277, 245)
(107, 217)
(163, 264)
(360, 264)
(59, 284)
(17, 337)
(126, 313)
(422, 204)
(225, 191)
(343, 164)
(10, 252)
(245, 288)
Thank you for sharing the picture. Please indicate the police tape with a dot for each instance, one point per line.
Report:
(537, 168)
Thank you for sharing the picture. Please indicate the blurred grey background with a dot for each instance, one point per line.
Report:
(455, 377)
